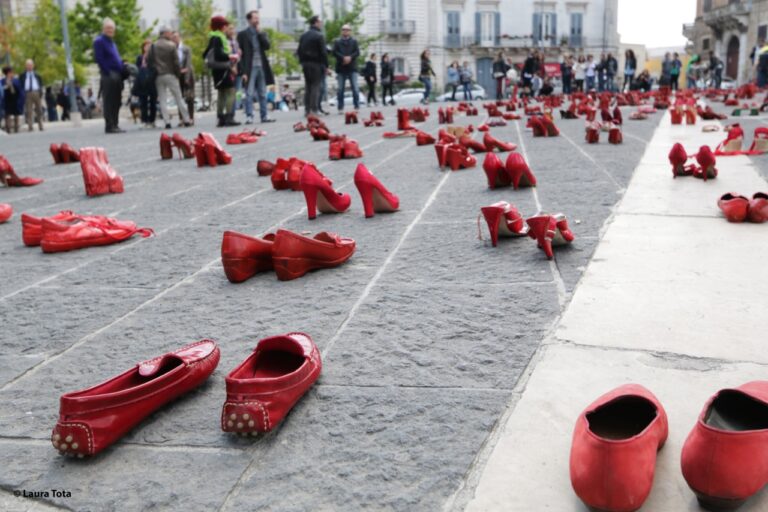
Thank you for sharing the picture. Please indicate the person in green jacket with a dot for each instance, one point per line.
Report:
(692, 71)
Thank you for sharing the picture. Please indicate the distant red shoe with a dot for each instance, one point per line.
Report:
(490, 142)
(503, 219)
(735, 207)
(299, 127)
(98, 176)
(92, 419)
(319, 133)
(245, 256)
(82, 232)
(519, 173)
(592, 133)
(335, 149)
(475, 145)
(68, 154)
(214, 153)
(549, 127)
(706, 169)
(537, 125)
(183, 145)
(758, 208)
(55, 153)
(320, 195)
(444, 136)
(457, 157)
(614, 135)
(548, 231)
(403, 119)
(264, 167)
(617, 117)
(9, 178)
(166, 149)
(294, 255)
(495, 171)
(375, 196)
(6, 212)
(350, 118)
(613, 452)
(424, 139)
(263, 389)
(242, 138)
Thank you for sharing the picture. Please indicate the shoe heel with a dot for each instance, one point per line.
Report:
(310, 195)
(717, 504)
(210, 155)
(291, 268)
(492, 216)
(238, 270)
(366, 194)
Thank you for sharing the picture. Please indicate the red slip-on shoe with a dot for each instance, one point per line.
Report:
(375, 196)
(550, 230)
(294, 255)
(6, 212)
(678, 157)
(264, 167)
(9, 178)
(613, 452)
(352, 149)
(725, 457)
(320, 195)
(32, 227)
(166, 148)
(92, 419)
(519, 172)
(735, 207)
(495, 171)
(245, 256)
(457, 157)
(81, 232)
(424, 139)
(263, 389)
(503, 219)
(758, 208)
(184, 146)
(490, 142)
(475, 145)
(707, 161)
(56, 153)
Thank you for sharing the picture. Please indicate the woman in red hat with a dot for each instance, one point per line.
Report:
(223, 66)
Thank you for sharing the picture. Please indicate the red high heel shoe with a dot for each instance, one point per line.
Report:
(760, 141)
(320, 195)
(605, 115)
(617, 118)
(352, 149)
(678, 157)
(535, 122)
(295, 170)
(470, 143)
(758, 208)
(184, 146)
(424, 139)
(9, 178)
(441, 149)
(55, 153)
(294, 255)
(706, 160)
(92, 419)
(550, 230)
(215, 154)
(98, 176)
(440, 116)
(448, 138)
(735, 207)
(690, 115)
(519, 172)
(502, 219)
(615, 136)
(264, 167)
(677, 115)
(458, 157)
(263, 389)
(495, 172)
(592, 133)
(490, 142)
(6, 212)
(403, 119)
(350, 118)
(375, 196)
(201, 155)
(166, 152)
(68, 153)
(245, 256)
(279, 176)
(549, 126)
(733, 142)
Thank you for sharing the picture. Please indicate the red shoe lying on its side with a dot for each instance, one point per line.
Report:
(81, 232)
(9, 178)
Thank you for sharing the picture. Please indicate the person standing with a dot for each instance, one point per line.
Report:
(499, 71)
(630, 66)
(530, 67)
(611, 69)
(164, 59)
(579, 73)
(187, 78)
(62, 100)
(13, 99)
(111, 67)
(454, 78)
(313, 56)
(50, 105)
(600, 72)
(369, 75)
(692, 72)
(674, 72)
(387, 79)
(425, 75)
(33, 95)
(465, 77)
(347, 51)
(144, 87)
(590, 71)
(715, 70)
(255, 70)
(223, 65)
(762, 65)
(566, 72)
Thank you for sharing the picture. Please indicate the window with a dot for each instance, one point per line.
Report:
(487, 28)
(762, 33)
(577, 28)
(707, 6)
(339, 7)
(238, 9)
(545, 28)
(705, 44)
(396, 11)
(398, 66)
(289, 9)
(453, 29)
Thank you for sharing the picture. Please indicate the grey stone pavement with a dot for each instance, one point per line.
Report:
(424, 333)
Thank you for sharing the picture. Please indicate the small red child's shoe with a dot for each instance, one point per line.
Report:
(245, 256)
(503, 219)
(734, 206)
(6, 212)
(320, 195)
(519, 172)
(375, 196)
(758, 208)
(548, 231)
(294, 255)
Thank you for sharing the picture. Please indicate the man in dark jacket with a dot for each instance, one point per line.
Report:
(33, 95)
(611, 68)
(111, 67)
(346, 51)
(255, 70)
(313, 56)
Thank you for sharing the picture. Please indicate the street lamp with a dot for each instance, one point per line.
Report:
(74, 112)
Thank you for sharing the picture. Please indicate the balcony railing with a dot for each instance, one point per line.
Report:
(456, 41)
(738, 9)
(398, 27)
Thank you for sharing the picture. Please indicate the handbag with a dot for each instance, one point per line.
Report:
(212, 63)
(386, 80)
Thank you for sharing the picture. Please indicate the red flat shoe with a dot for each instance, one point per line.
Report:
(92, 419)
(183, 145)
(613, 452)
(735, 207)
(424, 139)
(68, 153)
(678, 157)
(245, 256)
(9, 178)
(706, 160)
(166, 151)
(475, 145)
(6, 212)
(457, 157)
(242, 138)
(294, 255)
(263, 389)
(99, 177)
(264, 167)
(375, 196)
(490, 142)
(502, 219)
(335, 149)
(724, 457)
(758, 208)
(495, 171)
(55, 153)
(320, 195)
(519, 172)
(32, 227)
(82, 232)
(550, 230)
(351, 149)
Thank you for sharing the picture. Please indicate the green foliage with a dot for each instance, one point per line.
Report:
(283, 61)
(85, 21)
(194, 25)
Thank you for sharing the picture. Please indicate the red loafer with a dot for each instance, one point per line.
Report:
(6, 211)
(734, 206)
(613, 454)
(758, 208)
(263, 389)
(92, 419)
(244, 256)
(81, 232)
(32, 227)
(725, 457)
(294, 255)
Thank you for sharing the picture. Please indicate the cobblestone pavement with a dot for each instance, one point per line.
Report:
(424, 333)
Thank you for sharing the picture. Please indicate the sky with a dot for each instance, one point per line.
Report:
(655, 23)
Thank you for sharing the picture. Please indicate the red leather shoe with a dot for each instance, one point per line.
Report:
(183, 145)
(201, 155)
(242, 138)
(678, 157)
(68, 154)
(294, 172)
(98, 176)
(725, 457)
(92, 419)
(758, 208)
(735, 207)
(375, 196)
(245, 256)
(350, 118)
(294, 255)
(549, 126)
(264, 167)
(475, 145)
(319, 133)
(617, 118)
(214, 153)
(441, 149)
(440, 116)
(605, 115)
(615, 136)
(495, 171)
(81, 232)
(457, 157)
(733, 141)
(263, 389)
(550, 230)
(336, 149)
(490, 142)
(613, 452)
(424, 139)
(592, 133)
(519, 172)
(690, 115)
(320, 195)
(502, 219)
(446, 137)
(9, 178)
(32, 227)
(352, 149)
(166, 151)
(6, 212)
(55, 153)
(535, 122)
(677, 115)
(706, 160)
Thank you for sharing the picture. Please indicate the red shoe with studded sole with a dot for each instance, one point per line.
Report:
(294, 255)
(245, 256)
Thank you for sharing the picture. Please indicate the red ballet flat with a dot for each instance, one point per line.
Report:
(735, 207)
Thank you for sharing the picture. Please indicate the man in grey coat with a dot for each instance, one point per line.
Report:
(163, 57)
(254, 67)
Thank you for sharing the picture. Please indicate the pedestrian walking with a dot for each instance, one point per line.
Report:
(465, 77)
(630, 66)
(223, 65)
(590, 72)
(453, 78)
(674, 72)
(144, 87)
(313, 56)
(425, 74)
(387, 77)
(346, 51)
(13, 99)
(62, 100)
(566, 73)
(255, 69)
(579, 73)
(234, 48)
(369, 75)
(715, 70)
(164, 59)
(113, 72)
(33, 95)
(50, 105)
(499, 71)
(187, 78)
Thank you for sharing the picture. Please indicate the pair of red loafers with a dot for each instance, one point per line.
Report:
(99, 177)
(67, 231)
(505, 220)
(341, 147)
(209, 152)
(515, 172)
(289, 254)
(738, 208)
(542, 126)
(615, 441)
(6, 212)
(261, 391)
(9, 178)
(183, 145)
(64, 153)
(705, 158)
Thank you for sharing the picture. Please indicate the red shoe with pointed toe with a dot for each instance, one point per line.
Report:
(519, 172)
(424, 139)
(184, 146)
(613, 452)
(56, 154)
(245, 256)
(706, 160)
(320, 195)
(214, 153)
(9, 178)
(725, 457)
(82, 232)
(475, 145)
(375, 196)
(263, 389)
(490, 142)
(166, 151)
(758, 208)
(550, 230)
(549, 126)
(294, 255)
(352, 149)
(98, 176)
(92, 419)
(457, 157)
(264, 167)
(735, 207)
(495, 172)
(6, 212)
(502, 219)
(678, 157)
(68, 154)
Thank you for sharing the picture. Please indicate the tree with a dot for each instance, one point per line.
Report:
(283, 61)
